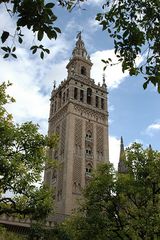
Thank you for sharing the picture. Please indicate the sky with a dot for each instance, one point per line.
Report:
(134, 113)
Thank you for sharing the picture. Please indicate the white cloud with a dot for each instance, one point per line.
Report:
(114, 150)
(32, 80)
(95, 2)
(153, 128)
(114, 74)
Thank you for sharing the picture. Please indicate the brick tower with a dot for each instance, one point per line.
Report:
(78, 113)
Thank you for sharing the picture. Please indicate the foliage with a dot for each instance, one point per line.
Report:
(134, 26)
(6, 235)
(38, 231)
(22, 160)
(121, 205)
(38, 17)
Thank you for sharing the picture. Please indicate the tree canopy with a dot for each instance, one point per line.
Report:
(134, 27)
(121, 205)
(22, 160)
(38, 16)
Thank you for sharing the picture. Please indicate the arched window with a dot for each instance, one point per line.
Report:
(83, 71)
(89, 95)
(88, 168)
(89, 134)
(60, 98)
(102, 103)
(97, 101)
(88, 150)
(64, 97)
(81, 95)
(75, 93)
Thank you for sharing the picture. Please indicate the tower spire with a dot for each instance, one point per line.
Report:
(122, 168)
(80, 60)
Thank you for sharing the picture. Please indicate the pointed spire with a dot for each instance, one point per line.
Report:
(104, 80)
(150, 147)
(122, 168)
(80, 50)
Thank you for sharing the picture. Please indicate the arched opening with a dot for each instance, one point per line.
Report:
(88, 150)
(97, 101)
(89, 134)
(81, 95)
(89, 95)
(88, 168)
(83, 71)
(75, 93)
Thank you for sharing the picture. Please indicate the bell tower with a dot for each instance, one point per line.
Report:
(79, 114)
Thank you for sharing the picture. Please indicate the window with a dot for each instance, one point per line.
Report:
(67, 94)
(89, 134)
(60, 95)
(89, 95)
(102, 103)
(55, 106)
(88, 168)
(81, 95)
(64, 97)
(83, 71)
(88, 150)
(52, 108)
(75, 93)
(97, 101)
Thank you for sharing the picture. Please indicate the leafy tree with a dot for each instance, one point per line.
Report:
(37, 16)
(38, 231)
(22, 160)
(121, 205)
(6, 235)
(134, 26)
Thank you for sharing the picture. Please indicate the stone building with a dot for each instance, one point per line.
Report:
(79, 114)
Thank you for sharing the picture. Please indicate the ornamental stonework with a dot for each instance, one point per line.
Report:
(62, 137)
(60, 182)
(89, 113)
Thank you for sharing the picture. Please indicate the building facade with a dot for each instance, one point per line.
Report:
(79, 115)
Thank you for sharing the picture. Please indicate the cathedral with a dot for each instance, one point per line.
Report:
(79, 115)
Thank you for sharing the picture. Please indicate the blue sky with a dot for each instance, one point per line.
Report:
(133, 112)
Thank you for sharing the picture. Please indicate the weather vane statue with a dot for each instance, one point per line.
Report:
(54, 84)
(79, 35)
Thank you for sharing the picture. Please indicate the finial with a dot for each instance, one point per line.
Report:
(54, 84)
(121, 140)
(79, 35)
(104, 78)
(150, 147)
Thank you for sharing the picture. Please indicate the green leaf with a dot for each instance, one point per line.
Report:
(4, 49)
(34, 51)
(13, 49)
(50, 5)
(57, 29)
(6, 55)
(40, 35)
(4, 36)
(145, 85)
(33, 47)
(20, 40)
(47, 50)
(42, 55)
(13, 55)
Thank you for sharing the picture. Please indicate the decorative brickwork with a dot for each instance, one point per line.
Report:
(60, 182)
(62, 138)
(100, 142)
(77, 165)
(89, 113)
